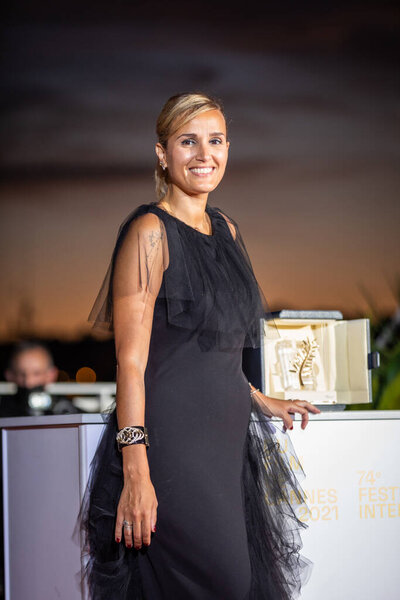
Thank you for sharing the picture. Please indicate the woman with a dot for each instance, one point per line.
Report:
(207, 511)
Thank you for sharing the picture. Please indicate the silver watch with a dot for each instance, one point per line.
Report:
(132, 435)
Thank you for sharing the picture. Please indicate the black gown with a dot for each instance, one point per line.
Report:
(228, 525)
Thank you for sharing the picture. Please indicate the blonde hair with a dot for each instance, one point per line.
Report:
(177, 111)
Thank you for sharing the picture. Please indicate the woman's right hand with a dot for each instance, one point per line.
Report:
(138, 505)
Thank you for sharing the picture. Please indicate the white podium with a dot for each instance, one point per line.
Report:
(352, 482)
(351, 462)
(45, 468)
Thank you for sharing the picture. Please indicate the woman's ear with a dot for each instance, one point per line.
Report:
(160, 151)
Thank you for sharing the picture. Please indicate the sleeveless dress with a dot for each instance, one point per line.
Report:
(228, 524)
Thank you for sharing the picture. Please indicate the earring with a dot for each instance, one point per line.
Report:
(162, 166)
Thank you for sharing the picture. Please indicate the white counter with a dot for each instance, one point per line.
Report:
(351, 461)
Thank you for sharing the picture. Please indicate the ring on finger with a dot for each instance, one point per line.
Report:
(127, 524)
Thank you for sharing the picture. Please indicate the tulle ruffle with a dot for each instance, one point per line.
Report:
(208, 283)
(274, 504)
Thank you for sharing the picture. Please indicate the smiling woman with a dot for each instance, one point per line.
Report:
(194, 160)
(182, 300)
(204, 145)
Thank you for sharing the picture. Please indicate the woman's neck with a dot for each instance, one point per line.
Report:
(190, 209)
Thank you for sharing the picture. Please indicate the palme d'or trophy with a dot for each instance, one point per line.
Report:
(318, 357)
(303, 363)
(297, 364)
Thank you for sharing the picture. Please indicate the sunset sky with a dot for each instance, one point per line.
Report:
(312, 180)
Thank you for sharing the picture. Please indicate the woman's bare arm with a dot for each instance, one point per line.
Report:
(136, 281)
(273, 407)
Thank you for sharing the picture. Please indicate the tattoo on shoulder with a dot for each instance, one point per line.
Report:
(155, 237)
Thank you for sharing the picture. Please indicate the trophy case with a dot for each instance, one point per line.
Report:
(317, 356)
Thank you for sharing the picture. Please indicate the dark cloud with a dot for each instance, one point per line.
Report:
(82, 83)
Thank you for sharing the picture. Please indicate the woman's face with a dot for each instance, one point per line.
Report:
(196, 155)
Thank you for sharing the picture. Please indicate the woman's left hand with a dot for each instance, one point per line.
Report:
(284, 408)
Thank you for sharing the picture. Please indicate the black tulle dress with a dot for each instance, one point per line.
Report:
(228, 525)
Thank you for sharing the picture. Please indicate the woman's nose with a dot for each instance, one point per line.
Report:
(203, 151)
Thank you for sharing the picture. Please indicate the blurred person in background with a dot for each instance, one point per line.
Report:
(31, 367)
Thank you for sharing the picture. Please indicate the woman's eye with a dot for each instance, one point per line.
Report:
(191, 141)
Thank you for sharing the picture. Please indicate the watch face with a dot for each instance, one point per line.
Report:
(132, 435)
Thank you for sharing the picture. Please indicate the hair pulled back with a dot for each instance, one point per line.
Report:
(177, 111)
